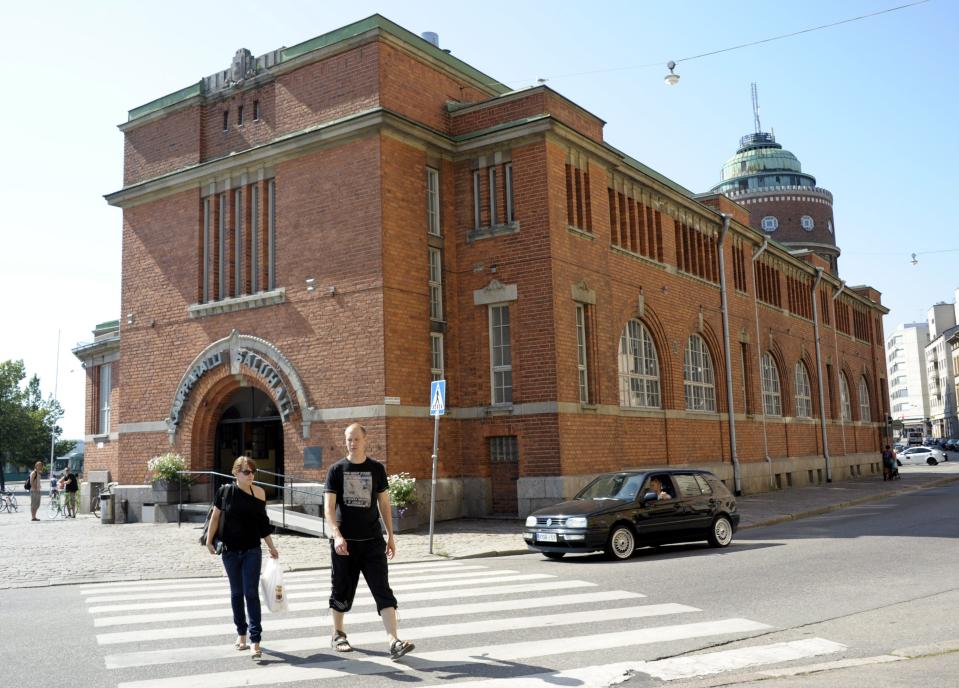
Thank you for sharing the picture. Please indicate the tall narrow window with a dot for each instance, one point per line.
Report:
(501, 357)
(256, 111)
(477, 201)
(698, 379)
(238, 242)
(508, 180)
(433, 201)
(271, 234)
(436, 284)
(436, 356)
(205, 250)
(221, 248)
(772, 397)
(803, 392)
(864, 413)
(744, 359)
(582, 358)
(226, 120)
(103, 398)
(254, 238)
(638, 367)
(493, 210)
(239, 115)
(845, 403)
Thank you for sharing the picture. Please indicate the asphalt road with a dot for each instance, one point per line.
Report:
(874, 584)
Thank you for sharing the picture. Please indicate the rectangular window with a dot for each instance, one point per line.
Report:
(508, 180)
(503, 449)
(256, 111)
(747, 377)
(433, 201)
(493, 210)
(238, 242)
(221, 271)
(501, 358)
(205, 251)
(581, 355)
(103, 398)
(477, 201)
(271, 234)
(239, 115)
(436, 284)
(254, 238)
(436, 356)
(226, 120)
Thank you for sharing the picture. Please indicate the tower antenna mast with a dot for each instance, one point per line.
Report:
(756, 108)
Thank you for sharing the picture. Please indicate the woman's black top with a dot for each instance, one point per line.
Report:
(243, 519)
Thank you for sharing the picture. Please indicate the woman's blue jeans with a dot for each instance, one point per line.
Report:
(243, 570)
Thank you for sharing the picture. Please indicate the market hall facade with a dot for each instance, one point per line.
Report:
(313, 235)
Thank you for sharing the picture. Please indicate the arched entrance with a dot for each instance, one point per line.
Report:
(250, 425)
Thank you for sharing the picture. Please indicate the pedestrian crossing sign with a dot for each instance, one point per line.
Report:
(438, 397)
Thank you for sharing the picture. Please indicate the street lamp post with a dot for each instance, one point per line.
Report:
(53, 424)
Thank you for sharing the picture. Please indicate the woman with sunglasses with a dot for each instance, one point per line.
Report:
(239, 519)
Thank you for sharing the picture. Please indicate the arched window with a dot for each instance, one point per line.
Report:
(772, 398)
(638, 367)
(845, 404)
(803, 392)
(698, 377)
(864, 413)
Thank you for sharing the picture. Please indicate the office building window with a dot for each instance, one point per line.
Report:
(433, 201)
(698, 379)
(803, 392)
(436, 284)
(436, 356)
(864, 413)
(772, 397)
(508, 192)
(638, 367)
(501, 357)
(582, 356)
(845, 403)
(105, 384)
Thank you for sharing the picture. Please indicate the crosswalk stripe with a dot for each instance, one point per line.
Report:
(417, 633)
(430, 661)
(361, 599)
(201, 583)
(710, 663)
(279, 624)
(191, 590)
(300, 592)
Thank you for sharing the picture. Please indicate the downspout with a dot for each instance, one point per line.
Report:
(835, 337)
(724, 307)
(819, 380)
(759, 357)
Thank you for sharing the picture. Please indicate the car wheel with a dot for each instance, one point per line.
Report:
(621, 543)
(721, 534)
(554, 555)
(932, 461)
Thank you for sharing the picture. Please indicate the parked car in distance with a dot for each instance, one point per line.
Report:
(618, 512)
(921, 455)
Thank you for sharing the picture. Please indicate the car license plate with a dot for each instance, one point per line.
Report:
(546, 537)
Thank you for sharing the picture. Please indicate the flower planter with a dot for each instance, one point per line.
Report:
(167, 492)
(405, 518)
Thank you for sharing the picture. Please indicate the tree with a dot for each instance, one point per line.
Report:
(27, 420)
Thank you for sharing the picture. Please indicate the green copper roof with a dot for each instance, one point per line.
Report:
(375, 21)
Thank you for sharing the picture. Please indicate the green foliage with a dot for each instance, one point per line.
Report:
(26, 419)
(402, 489)
(165, 467)
(64, 447)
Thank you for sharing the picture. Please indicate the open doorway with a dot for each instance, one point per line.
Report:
(251, 426)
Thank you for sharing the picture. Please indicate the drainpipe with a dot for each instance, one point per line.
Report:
(835, 338)
(737, 478)
(759, 357)
(819, 380)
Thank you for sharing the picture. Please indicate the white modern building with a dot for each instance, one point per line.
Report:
(906, 363)
(940, 375)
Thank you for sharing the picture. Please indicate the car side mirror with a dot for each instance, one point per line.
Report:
(650, 497)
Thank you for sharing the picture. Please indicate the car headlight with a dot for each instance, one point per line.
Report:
(576, 522)
(530, 521)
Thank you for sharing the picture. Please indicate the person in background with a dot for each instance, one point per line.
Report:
(240, 508)
(34, 481)
(70, 486)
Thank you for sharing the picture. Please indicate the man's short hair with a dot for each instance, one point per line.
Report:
(355, 425)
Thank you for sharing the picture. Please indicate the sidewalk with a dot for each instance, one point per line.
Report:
(82, 550)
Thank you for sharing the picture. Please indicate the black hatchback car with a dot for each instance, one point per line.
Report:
(618, 512)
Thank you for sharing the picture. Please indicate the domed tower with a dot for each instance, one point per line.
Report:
(783, 201)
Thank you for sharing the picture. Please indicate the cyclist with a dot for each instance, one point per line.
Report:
(70, 486)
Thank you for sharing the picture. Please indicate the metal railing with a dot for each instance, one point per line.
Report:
(224, 478)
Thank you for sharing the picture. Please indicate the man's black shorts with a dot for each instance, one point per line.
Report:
(369, 558)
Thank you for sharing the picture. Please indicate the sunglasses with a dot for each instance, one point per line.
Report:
(247, 471)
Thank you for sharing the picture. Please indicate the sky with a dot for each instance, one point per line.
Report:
(869, 107)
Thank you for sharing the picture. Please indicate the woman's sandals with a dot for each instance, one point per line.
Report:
(240, 645)
(398, 648)
(339, 642)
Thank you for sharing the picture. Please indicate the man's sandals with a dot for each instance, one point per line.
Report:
(340, 643)
(398, 648)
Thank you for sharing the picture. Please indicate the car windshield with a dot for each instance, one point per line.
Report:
(618, 486)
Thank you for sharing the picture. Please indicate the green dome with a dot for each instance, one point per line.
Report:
(764, 162)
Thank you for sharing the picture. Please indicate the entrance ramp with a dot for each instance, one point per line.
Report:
(296, 521)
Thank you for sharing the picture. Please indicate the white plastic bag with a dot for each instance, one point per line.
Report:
(272, 588)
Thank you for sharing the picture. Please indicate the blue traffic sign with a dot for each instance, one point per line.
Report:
(438, 397)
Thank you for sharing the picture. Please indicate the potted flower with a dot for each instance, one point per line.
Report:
(402, 491)
(166, 478)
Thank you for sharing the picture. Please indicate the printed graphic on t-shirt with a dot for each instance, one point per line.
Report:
(358, 489)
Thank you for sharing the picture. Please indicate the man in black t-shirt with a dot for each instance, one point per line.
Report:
(70, 486)
(356, 496)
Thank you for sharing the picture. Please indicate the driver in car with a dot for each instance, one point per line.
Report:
(656, 485)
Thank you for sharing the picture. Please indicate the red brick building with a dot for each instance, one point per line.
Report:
(313, 235)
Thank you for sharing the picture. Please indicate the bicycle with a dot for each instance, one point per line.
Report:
(95, 499)
(57, 510)
(8, 502)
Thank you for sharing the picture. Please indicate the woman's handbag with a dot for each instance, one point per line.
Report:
(217, 542)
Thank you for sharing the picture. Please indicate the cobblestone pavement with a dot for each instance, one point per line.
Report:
(84, 550)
